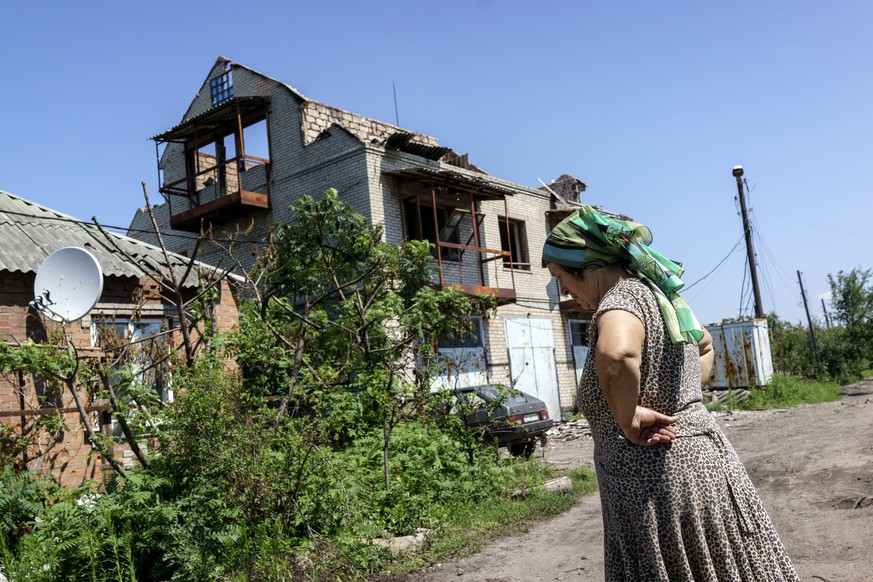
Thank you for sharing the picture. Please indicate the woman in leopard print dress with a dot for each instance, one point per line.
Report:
(677, 502)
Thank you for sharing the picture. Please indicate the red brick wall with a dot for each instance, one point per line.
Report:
(70, 457)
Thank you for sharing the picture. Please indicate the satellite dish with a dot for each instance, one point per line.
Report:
(68, 284)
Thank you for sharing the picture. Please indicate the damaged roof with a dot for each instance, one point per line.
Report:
(31, 232)
(217, 116)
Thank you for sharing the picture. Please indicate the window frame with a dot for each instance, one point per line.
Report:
(419, 220)
(133, 330)
(475, 339)
(583, 335)
(221, 87)
(515, 242)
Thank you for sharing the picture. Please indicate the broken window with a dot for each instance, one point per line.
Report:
(221, 88)
(138, 351)
(420, 226)
(470, 338)
(463, 357)
(255, 140)
(513, 239)
(579, 332)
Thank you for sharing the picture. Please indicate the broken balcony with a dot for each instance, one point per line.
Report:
(444, 208)
(217, 164)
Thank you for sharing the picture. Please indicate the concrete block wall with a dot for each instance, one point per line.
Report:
(317, 117)
(384, 192)
(537, 295)
(314, 147)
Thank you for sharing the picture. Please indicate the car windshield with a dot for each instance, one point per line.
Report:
(492, 393)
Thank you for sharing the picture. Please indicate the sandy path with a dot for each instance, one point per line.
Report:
(813, 466)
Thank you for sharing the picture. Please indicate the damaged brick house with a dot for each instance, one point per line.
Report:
(129, 307)
(249, 145)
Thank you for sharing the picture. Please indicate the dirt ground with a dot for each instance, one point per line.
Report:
(813, 466)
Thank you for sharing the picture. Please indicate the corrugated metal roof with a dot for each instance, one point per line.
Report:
(484, 185)
(30, 232)
(216, 116)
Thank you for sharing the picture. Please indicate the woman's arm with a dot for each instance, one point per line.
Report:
(617, 359)
(707, 357)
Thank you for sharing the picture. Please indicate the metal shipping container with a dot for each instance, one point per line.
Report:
(742, 354)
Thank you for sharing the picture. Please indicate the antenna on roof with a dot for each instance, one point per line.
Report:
(396, 114)
(68, 284)
(550, 191)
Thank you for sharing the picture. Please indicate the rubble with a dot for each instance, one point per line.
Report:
(569, 430)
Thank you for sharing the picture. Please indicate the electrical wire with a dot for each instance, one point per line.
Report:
(779, 269)
(720, 263)
(820, 225)
(780, 272)
(763, 272)
(743, 292)
(120, 229)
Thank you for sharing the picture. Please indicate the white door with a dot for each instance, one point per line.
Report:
(464, 359)
(531, 347)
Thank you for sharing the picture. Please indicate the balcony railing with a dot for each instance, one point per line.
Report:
(220, 192)
(479, 275)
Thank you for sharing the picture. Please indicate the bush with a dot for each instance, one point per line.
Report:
(429, 469)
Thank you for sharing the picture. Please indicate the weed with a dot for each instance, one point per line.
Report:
(786, 391)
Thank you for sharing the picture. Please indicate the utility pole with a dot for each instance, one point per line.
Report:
(827, 316)
(747, 230)
(808, 319)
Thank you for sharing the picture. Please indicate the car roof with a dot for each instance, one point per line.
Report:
(489, 391)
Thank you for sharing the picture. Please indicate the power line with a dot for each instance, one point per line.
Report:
(743, 291)
(765, 274)
(730, 252)
(820, 225)
(120, 229)
(780, 271)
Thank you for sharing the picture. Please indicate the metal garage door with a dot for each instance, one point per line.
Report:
(531, 346)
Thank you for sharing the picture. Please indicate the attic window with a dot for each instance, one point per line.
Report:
(221, 88)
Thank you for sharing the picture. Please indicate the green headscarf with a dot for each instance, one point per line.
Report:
(587, 239)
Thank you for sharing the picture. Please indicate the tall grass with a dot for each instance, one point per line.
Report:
(786, 391)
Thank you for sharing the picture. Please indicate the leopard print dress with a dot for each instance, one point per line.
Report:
(684, 510)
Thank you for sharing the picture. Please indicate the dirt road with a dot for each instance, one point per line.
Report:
(813, 466)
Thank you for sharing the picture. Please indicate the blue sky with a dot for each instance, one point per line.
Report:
(650, 103)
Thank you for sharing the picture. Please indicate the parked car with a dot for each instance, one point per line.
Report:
(514, 419)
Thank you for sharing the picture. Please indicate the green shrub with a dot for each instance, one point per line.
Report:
(428, 469)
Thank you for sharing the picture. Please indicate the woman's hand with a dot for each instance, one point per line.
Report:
(650, 428)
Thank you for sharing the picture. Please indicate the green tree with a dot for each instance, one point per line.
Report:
(850, 342)
(852, 303)
(348, 324)
(336, 351)
(845, 349)
(790, 348)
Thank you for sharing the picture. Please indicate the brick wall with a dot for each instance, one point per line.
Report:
(70, 457)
